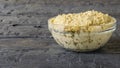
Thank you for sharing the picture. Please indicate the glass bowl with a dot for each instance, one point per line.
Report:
(82, 41)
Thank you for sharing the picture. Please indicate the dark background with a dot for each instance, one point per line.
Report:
(25, 41)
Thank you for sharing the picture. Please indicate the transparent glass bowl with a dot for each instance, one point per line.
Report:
(81, 41)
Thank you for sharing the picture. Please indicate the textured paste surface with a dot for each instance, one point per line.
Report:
(88, 21)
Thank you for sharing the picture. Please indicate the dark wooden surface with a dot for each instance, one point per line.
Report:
(25, 41)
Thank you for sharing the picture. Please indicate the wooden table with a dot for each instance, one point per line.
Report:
(25, 41)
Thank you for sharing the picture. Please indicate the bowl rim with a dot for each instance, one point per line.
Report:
(113, 28)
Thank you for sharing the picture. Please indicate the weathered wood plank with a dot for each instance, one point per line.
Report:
(60, 1)
(44, 44)
(49, 9)
(56, 7)
(26, 20)
(7, 30)
(30, 58)
(36, 52)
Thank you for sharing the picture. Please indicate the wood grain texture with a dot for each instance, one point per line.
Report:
(45, 53)
(25, 41)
